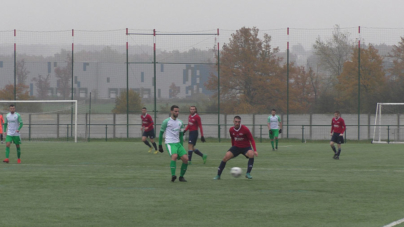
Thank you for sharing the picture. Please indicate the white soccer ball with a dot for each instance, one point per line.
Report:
(235, 171)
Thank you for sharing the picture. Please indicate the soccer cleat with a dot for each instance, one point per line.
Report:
(336, 157)
(273, 149)
(189, 162)
(276, 148)
(156, 152)
(173, 178)
(150, 150)
(19, 161)
(182, 179)
(1, 142)
(247, 175)
(6, 160)
(205, 156)
(216, 177)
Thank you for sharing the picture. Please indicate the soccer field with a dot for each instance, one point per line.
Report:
(120, 184)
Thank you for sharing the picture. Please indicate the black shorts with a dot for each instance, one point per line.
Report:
(238, 150)
(149, 134)
(336, 138)
(193, 137)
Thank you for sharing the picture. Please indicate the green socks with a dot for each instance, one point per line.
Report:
(19, 152)
(173, 166)
(7, 152)
(183, 169)
(272, 143)
(276, 143)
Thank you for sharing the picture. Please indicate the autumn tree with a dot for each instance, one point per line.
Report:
(64, 75)
(135, 103)
(174, 90)
(396, 73)
(21, 72)
(42, 84)
(372, 81)
(249, 67)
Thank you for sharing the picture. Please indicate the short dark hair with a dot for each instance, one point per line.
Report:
(196, 110)
(173, 107)
(273, 110)
(144, 108)
(11, 105)
(337, 112)
(237, 117)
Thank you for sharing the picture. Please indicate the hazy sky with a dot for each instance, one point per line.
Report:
(191, 15)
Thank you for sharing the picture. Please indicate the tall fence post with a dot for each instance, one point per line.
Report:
(287, 87)
(15, 64)
(127, 84)
(71, 108)
(302, 133)
(388, 133)
(359, 83)
(218, 86)
(106, 133)
(260, 133)
(29, 127)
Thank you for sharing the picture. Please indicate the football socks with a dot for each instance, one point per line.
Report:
(333, 148)
(147, 143)
(155, 146)
(183, 169)
(18, 152)
(221, 168)
(339, 152)
(7, 152)
(250, 165)
(272, 143)
(190, 155)
(276, 142)
(198, 152)
(173, 166)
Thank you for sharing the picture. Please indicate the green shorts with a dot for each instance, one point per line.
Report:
(275, 133)
(176, 148)
(15, 139)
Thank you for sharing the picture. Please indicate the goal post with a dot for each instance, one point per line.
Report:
(36, 107)
(387, 124)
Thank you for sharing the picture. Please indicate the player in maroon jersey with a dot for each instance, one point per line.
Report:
(240, 141)
(148, 130)
(337, 133)
(194, 122)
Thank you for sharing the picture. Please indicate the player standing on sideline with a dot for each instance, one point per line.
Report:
(148, 130)
(174, 139)
(194, 121)
(337, 133)
(1, 128)
(274, 127)
(240, 141)
(12, 127)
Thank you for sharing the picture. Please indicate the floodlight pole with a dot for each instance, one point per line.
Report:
(15, 65)
(127, 85)
(218, 86)
(155, 78)
(359, 82)
(71, 113)
(287, 87)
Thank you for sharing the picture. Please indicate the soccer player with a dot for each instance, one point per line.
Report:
(337, 133)
(12, 127)
(240, 141)
(148, 130)
(1, 128)
(274, 127)
(194, 121)
(174, 139)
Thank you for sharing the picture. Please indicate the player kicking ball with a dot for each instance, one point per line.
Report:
(337, 133)
(12, 127)
(148, 130)
(174, 139)
(240, 141)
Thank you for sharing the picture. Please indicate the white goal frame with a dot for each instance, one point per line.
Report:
(378, 121)
(50, 101)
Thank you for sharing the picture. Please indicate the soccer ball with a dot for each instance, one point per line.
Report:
(235, 171)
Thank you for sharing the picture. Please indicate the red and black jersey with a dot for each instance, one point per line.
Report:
(241, 137)
(147, 121)
(338, 125)
(194, 121)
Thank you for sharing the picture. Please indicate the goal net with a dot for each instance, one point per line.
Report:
(45, 120)
(389, 123)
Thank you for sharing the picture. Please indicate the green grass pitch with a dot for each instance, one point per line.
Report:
(120, 184)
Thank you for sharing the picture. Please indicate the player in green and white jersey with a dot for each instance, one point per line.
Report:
(174, 139)
(12, 127)
(274, 127)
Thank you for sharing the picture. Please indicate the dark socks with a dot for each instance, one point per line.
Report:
(333, 148)
(339, 151)
(221, 168)
(147, 143)
(1, 137)
(198, 152)
(250, 165)
(190, 155)
(155, 146)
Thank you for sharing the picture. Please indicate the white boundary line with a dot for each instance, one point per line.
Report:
(394, 223)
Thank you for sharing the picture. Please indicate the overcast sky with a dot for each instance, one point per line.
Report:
(191, 15)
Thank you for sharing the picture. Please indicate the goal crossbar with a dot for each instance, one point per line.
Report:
(51, 101)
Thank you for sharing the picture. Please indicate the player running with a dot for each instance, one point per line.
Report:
(1, 128)
(148, 130)
(12, 127)
(194, 121)
(337, 133)
(274, 127)
(173, 128)
(240, 141)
